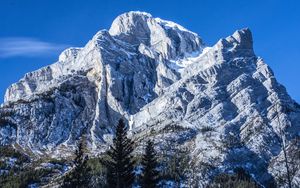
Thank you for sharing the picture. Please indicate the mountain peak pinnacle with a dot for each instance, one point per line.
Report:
(124, 23)
(239, 43)
(170, 40)
(244, 38)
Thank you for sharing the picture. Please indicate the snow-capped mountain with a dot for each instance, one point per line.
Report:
(222, 103)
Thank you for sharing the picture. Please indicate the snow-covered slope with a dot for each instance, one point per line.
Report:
(222, 103)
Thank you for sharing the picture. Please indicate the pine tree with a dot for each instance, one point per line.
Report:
(120, 165)
(240, 178)
(150, 176)
(79, 177)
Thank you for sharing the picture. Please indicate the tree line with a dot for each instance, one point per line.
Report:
(121, 170)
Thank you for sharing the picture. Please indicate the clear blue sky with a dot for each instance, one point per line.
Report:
(45, 27)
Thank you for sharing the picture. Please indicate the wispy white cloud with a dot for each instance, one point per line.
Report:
(27, 47)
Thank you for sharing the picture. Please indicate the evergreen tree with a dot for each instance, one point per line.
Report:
(175, 163)
(240, 179)
(120, 164)
(150, 176)
(79, 177)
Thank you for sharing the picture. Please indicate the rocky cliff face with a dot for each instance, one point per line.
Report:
(221, 103)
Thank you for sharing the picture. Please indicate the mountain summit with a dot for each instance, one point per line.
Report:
(222, 104)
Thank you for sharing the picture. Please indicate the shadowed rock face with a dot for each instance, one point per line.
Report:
(221, 103)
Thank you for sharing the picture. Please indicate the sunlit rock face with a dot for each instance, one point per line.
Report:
(221, 103)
